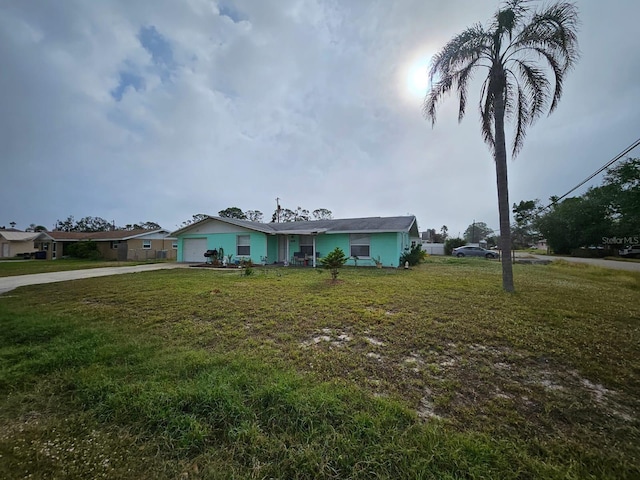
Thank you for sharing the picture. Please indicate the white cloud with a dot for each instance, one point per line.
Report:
(305, 100)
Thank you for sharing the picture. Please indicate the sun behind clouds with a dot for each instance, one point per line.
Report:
(415, 77)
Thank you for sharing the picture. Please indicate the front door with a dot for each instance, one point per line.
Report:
(282, 248)
(5, 249)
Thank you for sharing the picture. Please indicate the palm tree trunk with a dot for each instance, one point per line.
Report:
(500, 157)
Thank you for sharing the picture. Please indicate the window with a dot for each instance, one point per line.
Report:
(359, 245)
(146, 244)
(306, 244)
(174, 245)
(243, 245)
(115, 243)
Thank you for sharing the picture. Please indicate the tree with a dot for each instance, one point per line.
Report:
(142, 226)
(576, 222)
(93, 224)
(35, 228)
(477, 231)
(444, 233)
(254, 215)
(232, 212)
(150, 226)
(85, 224)
(298, 215)
(334, 261)
(621, 186)
(322, 214)
(452, 243)
(609, 210)
(524, 231)
(65, 225)
(516, 86)
(198, 217)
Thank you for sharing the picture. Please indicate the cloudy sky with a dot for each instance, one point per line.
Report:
(157, 110)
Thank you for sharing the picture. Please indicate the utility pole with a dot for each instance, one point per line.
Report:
(278, 210)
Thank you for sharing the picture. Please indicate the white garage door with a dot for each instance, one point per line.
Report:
(193, 249)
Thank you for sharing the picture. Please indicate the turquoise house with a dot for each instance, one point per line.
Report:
(371, 240)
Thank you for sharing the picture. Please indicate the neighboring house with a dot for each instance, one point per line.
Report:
(113, 245)
(541, 244)
(371, 238)
(14, 243)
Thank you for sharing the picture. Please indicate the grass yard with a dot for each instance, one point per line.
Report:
(428, 373)
(27, 267)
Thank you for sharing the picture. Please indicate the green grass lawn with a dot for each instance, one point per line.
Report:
(428, 373)
(27, 267)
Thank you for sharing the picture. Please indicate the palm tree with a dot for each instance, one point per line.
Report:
(519, 48)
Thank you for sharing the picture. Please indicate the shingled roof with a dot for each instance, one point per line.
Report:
(343, 225)
(17, 236)
(97, 236)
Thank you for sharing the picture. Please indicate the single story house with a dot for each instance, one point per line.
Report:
(371, 240)
(14, 243)
(113, 245)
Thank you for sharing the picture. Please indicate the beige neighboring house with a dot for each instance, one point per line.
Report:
(119, 245)
(14, 243)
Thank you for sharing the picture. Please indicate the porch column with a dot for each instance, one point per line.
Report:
(314, 250)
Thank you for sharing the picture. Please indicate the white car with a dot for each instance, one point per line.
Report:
(632, 251)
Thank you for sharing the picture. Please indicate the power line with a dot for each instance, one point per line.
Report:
(600, 170)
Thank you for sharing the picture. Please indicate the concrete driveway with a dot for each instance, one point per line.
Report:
(9, 283)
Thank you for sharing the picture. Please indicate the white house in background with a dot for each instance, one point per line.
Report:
(14, 243)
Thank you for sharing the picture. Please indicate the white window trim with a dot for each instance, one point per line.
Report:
(360, 242)
(146, 244)
(238, 245)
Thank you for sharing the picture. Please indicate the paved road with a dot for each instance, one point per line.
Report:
(597, 262)
(9, 283)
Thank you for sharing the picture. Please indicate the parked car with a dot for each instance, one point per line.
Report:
(632, 251)
(470, 251)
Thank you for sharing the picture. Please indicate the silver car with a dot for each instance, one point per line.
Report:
(470, 251)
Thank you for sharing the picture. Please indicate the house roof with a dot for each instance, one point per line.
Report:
(345, 225)
(98, 236)
(18, 236)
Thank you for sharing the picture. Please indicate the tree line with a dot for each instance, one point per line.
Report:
(606, 217)
(98, 224)
(280, 215)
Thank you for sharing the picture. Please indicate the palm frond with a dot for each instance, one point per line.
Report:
(524, 118)
(487, 113)
(536, 86)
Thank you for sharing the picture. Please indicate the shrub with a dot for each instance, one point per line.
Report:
(452, 243)
(333, 261)
(86, 249)
(414, 256)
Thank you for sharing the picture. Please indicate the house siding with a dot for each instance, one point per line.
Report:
(16, 248)
(158, 245)
(384, 245)
(228, 242)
